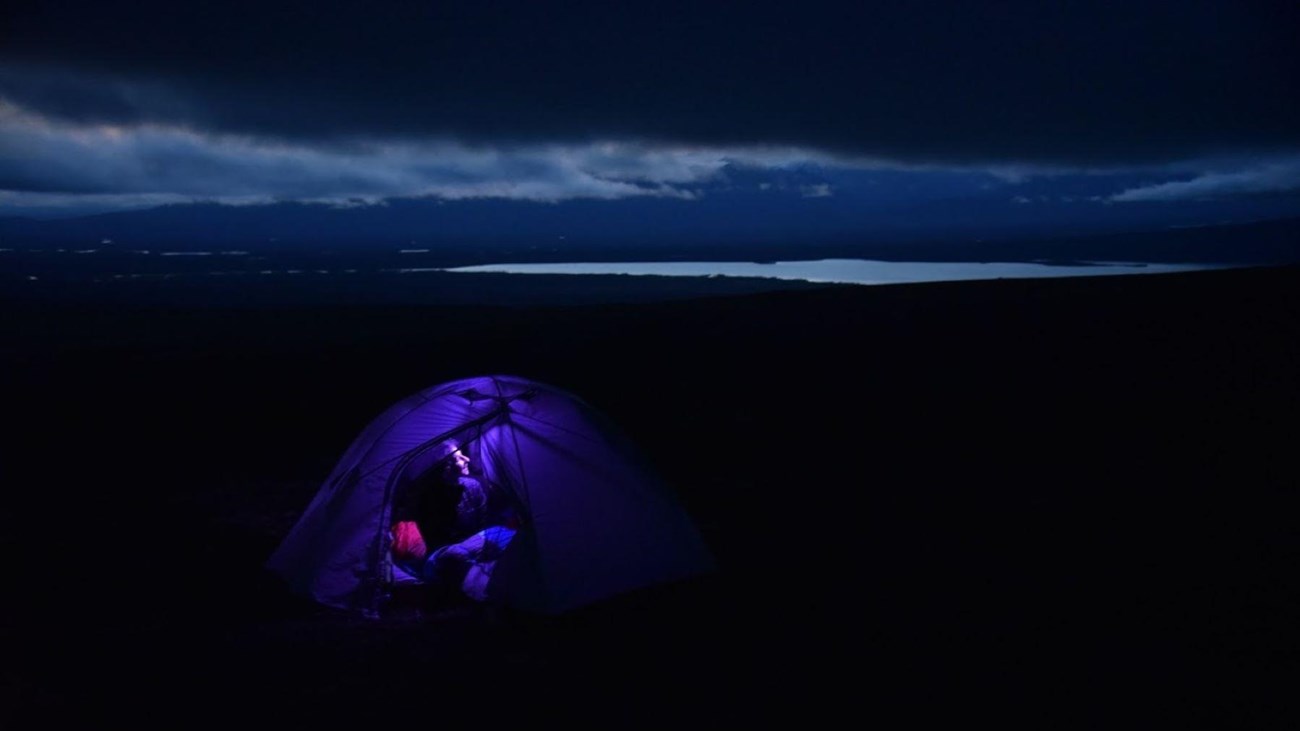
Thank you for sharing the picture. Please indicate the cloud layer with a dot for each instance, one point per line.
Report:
(49, 165)
(940, 82)
(1282, 176)
(50, 161)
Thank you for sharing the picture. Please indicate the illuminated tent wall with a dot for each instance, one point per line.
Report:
(597, 523)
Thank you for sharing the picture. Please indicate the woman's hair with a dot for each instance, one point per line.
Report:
(436, 479)
(442, 455)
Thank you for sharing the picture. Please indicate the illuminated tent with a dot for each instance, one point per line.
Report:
(595, 522)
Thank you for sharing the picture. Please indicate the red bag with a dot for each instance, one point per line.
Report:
(408, 544)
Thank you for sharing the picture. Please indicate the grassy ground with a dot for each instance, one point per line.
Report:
(1045, 503)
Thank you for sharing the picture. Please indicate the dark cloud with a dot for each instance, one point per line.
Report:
(43, 157)
(1278, 176)
(1062, 82)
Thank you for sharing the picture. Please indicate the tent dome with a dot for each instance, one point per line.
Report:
(595, 521)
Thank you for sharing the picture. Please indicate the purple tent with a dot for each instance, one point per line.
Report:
(595, 522)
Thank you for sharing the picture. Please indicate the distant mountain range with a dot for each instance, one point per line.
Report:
(722, 225)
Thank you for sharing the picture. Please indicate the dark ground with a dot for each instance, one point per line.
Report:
(1038, 503)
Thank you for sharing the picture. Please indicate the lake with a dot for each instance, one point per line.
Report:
(843, 271)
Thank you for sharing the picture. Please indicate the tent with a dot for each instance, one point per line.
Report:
(596, 522)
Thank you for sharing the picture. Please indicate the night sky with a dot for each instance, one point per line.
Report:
(1139, 112)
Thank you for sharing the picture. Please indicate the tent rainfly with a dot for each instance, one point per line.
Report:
(595, 521)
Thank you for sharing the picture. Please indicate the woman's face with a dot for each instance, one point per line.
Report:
(460, 462)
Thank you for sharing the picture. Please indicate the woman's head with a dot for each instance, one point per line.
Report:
(451, 460)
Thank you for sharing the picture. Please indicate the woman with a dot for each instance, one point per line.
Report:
(452, 539)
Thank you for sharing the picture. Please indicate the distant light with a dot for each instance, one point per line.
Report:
(32, 277)
(105, 241)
